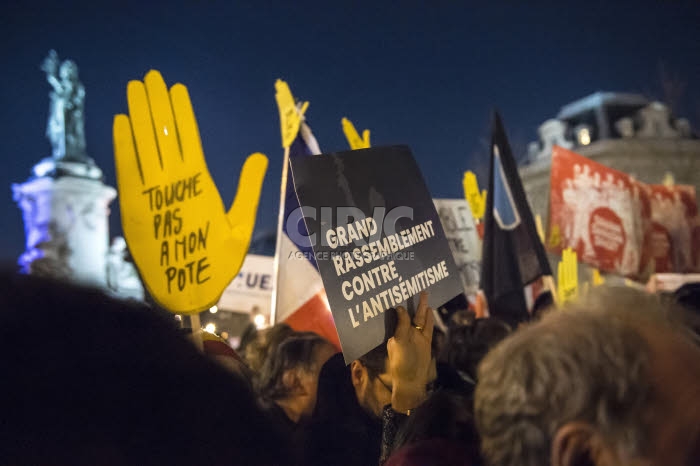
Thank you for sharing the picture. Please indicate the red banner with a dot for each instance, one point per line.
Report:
(596, 211)
(618, 224)
(673, 234)
(688, 197)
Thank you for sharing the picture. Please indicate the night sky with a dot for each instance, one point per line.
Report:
(422, 75)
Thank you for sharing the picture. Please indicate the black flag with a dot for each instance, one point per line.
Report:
(513, 255)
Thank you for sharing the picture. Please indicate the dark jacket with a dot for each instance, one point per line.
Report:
(341, 433)
(289, 432)
(433, 452)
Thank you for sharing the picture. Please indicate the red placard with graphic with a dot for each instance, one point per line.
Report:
(688, 197)
(596, 211)
(618, 224)
(674, 229)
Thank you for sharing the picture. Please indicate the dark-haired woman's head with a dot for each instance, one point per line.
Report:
(264, 345)
(289, 376)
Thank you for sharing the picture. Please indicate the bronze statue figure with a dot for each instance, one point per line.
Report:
(66, 125)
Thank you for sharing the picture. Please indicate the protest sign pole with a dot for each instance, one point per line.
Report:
(291, 117)
(196, 326)
(548, 281)
(278, 243)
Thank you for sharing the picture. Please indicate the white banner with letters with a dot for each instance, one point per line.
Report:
(251, 290)
(460, 230)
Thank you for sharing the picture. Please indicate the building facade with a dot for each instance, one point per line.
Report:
(626, 132)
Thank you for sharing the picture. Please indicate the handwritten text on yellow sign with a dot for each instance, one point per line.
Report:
(186, 245)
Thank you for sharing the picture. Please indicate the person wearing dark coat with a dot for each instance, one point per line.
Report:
(383, 385)
(341, 431)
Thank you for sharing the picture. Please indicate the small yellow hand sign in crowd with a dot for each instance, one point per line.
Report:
(567, 276)
(554, 236)
(187, 247)
(354, 139)
(596, 278)
(291, 115)
(475, 198)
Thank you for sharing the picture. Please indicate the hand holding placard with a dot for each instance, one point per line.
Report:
(475, 198)
(354, 139)
(186, 246)
(388, 250)
(410, 356)
(567, 276)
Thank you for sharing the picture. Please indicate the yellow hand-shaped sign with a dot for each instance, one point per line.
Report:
(596, 278)
(186, 246)
(555, 236)
(290, 115)
(475, 198)
(354, 139)
(567, 276)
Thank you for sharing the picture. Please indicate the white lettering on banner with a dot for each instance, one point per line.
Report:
(251, 288)
(465, 244)
(606, 234)
(376, 250)
(342, 236)
(391, 297)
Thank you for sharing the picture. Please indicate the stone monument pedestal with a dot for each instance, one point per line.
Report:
(65, 203)
(66, 210)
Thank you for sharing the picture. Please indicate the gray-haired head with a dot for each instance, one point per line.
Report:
(589, 364)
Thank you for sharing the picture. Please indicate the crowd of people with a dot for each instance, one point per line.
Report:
(613, 379)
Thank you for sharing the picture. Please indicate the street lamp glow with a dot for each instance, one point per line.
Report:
(259, 321)
(210, 327)
(584, 136)
(214, 309)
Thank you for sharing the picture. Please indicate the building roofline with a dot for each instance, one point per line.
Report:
(598, 99)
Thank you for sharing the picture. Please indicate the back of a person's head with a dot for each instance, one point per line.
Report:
(275, 335)
(468, 344)
(296, 352)
(587, 363)
(91, 380)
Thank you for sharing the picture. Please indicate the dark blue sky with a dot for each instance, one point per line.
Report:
(422, 75)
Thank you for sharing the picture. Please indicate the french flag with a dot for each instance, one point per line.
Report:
(300, 298)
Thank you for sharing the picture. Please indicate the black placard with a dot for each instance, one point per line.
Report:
(377, 239)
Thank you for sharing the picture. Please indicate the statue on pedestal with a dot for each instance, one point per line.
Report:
(65, 128)
(66, 125)
(65, 204)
